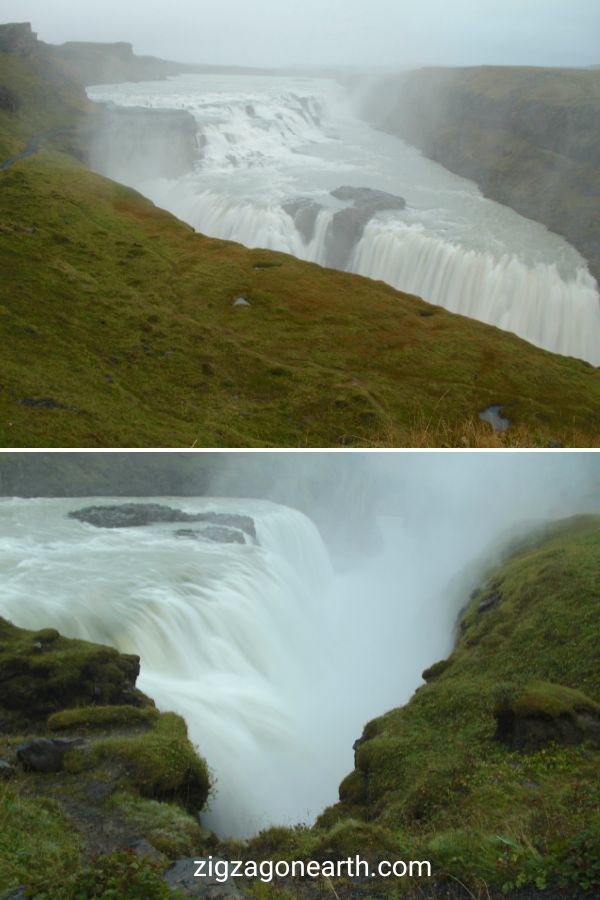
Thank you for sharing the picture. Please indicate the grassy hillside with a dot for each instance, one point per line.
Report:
(431, 782)
(528, 136)
(119, 328)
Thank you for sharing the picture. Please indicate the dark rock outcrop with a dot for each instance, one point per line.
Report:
(348, 224)
(304, 212)
(17, 37)
(129, 515)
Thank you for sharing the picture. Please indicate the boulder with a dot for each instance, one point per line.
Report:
(546, 713)
(181, 877)
(42, 755)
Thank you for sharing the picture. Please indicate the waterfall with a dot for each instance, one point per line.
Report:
(212, 625)
(267, 145)
(534, 302)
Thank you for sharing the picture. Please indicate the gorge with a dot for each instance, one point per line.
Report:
(271, 155)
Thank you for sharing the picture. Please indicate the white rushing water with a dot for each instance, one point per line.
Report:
(275, 664)
(266, 142)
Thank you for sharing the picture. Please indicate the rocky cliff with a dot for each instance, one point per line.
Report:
(18, 38)
(529, 137)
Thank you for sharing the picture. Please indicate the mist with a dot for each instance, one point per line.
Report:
(278, 653)
(383, 33)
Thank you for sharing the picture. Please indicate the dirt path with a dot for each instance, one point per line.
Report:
(32, 147)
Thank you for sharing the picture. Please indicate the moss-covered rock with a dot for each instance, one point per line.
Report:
(160, 763)
(43, 672)
(547, 713)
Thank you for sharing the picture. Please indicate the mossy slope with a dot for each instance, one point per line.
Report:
(119, 329)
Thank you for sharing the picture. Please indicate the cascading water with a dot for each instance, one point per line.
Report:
(272, 149)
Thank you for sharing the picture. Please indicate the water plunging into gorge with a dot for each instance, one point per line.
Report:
(271, 150)
(275, 662)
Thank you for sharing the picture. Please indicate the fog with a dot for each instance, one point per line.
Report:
(272, 654)
(379, 33)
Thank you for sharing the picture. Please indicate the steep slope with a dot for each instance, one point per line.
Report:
(492, 770)
(528, 137)
(120, 329)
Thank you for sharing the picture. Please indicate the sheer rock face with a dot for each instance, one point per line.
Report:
(139, 144)
(527, 136)
(17, 37)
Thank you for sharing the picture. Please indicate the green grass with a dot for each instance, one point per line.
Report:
(118, 330)
(101, 717)
(37, 840)
(160, 763)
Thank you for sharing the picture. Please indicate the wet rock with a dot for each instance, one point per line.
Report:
(493, 416)
(42, 755)
(348, 224)
(304, 212)
(130, 515)
(181, 876)
(217, 534)
(376, 201)
(241, 301)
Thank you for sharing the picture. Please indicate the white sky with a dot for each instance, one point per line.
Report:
(384, 33)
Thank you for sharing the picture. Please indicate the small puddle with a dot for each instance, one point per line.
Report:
(493, 416)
